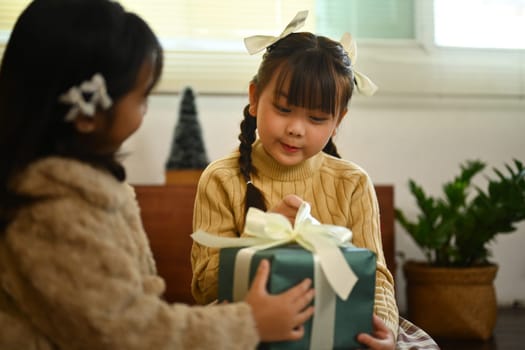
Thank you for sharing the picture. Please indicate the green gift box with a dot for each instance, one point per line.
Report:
(290, 265)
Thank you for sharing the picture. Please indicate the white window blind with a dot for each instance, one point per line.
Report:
(204, 49)
(203, 38)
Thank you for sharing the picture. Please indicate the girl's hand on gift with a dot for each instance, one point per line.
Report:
(288, 206)
(381, 338)
(279, 317)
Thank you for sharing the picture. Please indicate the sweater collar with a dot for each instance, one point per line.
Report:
(269, 167)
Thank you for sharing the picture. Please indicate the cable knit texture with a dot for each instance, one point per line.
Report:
(77, 272)
(339, 191)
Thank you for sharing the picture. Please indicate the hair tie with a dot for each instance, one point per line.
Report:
(257, 43)
(86, 97)
(363, 83)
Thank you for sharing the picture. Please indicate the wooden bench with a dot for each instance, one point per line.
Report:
(167, 212)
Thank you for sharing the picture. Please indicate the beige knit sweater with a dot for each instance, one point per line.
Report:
(76, 272)
(340, 193)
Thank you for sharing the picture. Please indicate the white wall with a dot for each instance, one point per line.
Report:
(393, 138)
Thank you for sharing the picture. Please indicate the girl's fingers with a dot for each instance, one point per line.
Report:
(297, 333)
(295, 293)
(380, 328)
(303, 300)
(293, 201)
(304, 315)
(367, 340)
(261, 276)
(381, 338)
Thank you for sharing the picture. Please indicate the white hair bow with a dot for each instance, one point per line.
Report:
(364, 85)
(96, 92)
(257, 43)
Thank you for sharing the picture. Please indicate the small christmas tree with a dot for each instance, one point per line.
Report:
(187, 148)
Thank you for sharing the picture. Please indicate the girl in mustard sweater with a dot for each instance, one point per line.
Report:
(297, 100)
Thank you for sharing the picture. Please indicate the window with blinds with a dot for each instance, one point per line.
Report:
(203, 38)
(204, 47)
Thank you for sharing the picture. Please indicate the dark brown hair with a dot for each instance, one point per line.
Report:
(54, 45)
(320, 76)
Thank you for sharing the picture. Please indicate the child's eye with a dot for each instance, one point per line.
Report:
(282, 109)
(318, 120)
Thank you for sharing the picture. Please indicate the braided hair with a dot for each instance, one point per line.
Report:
(254, 197)
(320, 76)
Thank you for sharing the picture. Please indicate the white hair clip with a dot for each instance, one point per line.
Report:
(257, 43)
(94, 89)
(364, 85)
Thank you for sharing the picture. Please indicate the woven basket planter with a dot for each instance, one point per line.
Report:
(452, 302)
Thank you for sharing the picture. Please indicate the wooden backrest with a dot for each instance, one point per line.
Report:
(167, 211)
(385, 198)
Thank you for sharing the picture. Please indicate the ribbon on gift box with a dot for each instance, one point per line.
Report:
(267, 230)
(332, 274)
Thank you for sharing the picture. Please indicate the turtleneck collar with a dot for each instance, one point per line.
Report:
(269, 167)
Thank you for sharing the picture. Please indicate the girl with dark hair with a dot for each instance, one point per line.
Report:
(76, 270)
(297, 101)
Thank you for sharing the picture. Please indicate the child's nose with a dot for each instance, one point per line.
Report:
(295, 127)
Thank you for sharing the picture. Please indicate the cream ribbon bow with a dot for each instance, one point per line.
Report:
(267, 230)
(258, 43)
(364, 85)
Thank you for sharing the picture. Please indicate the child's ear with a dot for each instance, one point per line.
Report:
(85, 124)
(340, 119)
(253, 99)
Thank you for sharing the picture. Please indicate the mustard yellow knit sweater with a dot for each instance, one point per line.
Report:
(339, 191)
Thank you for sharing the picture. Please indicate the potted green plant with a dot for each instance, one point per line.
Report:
(452, 294)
